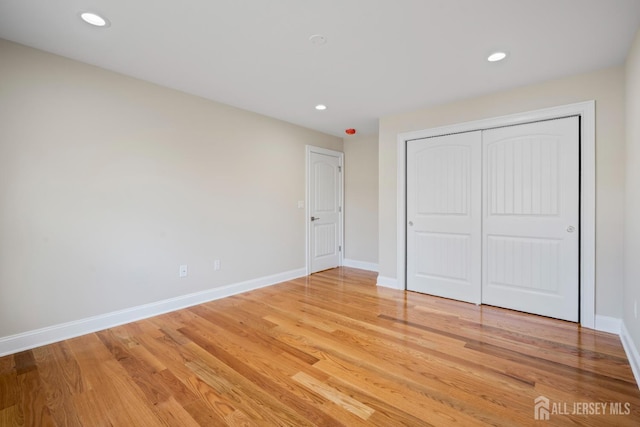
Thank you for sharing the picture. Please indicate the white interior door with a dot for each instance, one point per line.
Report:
(531, 218)
(444, 216)
(325, 198)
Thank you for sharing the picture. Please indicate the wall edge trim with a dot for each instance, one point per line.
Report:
(632, 352)
(38, 337)
(362, 265)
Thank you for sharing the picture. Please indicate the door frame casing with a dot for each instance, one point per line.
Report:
(319, 150)
(586, 111)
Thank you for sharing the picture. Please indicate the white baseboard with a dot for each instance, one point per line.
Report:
(388, 282)
(36, 338)
(608, 324)
(362, 265)
(632, 352)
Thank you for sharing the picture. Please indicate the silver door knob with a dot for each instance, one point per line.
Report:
(313, 218)
(571, 229)
(410, 223)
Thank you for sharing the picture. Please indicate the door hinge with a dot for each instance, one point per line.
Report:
(339, 168)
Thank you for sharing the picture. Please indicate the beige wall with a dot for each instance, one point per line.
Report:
(606, 87)
(108, 183)
(632, 223)
(361, 198)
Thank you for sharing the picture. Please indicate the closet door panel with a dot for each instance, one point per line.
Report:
(444, 216)
(531, 218)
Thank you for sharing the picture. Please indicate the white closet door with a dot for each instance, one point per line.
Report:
(531, 218)
(444, 216)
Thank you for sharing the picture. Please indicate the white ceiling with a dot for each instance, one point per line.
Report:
(382, 56)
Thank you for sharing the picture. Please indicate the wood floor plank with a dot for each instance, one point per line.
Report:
(560, 352)
(259, 336)
(291, 406)
(174, 414)
(8, 389)
(9, 416)
(121, 401)
(401, 371)
(224, 398)
(91, 409)
(245, 396)
(7, 365)
(25, 362)
(535, 357)
(335, 396)
(330, 349)
(60, 380)
(32, 406)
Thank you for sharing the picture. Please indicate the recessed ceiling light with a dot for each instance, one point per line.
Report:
(94, 19)
(321, 107)
(496, 56)
(318, 39)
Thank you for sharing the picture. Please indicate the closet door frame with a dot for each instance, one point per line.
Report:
(586, 112)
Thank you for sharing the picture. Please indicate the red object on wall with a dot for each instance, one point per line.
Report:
(350, 131)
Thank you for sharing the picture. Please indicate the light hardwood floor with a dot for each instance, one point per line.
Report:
(328, 350)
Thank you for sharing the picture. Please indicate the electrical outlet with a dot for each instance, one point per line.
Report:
(216, 264)
(183, 270)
